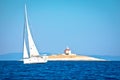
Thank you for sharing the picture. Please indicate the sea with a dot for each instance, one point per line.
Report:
(60, 70)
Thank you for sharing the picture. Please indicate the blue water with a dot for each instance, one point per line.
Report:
(72, 70)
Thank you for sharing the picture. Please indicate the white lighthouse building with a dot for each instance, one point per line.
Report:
(67, 51)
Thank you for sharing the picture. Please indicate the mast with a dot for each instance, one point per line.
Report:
(32, 48)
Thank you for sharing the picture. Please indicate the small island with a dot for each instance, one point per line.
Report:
(68, 56)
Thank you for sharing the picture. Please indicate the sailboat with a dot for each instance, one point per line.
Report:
(30, 55)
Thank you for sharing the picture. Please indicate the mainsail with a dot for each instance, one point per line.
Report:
(33, 50)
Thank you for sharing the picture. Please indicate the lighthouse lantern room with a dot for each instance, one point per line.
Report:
(67, 51)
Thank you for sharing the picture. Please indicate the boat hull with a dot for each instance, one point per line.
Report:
(35, 60)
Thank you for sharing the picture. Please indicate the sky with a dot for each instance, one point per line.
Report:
(88, 27)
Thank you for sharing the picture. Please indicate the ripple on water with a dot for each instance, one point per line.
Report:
(60, 70)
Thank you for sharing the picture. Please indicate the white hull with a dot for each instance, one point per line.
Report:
(36, 60)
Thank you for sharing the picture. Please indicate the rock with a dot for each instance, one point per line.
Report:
(72, 57)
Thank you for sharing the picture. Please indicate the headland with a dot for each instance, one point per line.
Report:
(68, 56)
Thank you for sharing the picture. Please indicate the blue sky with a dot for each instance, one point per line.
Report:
(88, 27)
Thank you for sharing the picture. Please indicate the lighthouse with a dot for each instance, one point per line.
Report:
(67, 51)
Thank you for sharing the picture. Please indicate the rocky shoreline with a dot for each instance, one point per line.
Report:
(72, 57)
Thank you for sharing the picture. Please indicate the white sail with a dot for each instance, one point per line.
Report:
(32, 47)
(33, 57)
(25, 52)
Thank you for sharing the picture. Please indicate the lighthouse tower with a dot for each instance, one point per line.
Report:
(67, 51)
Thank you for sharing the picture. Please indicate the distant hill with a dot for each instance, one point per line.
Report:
(106, 57)
(14, 56)
(11, 56)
